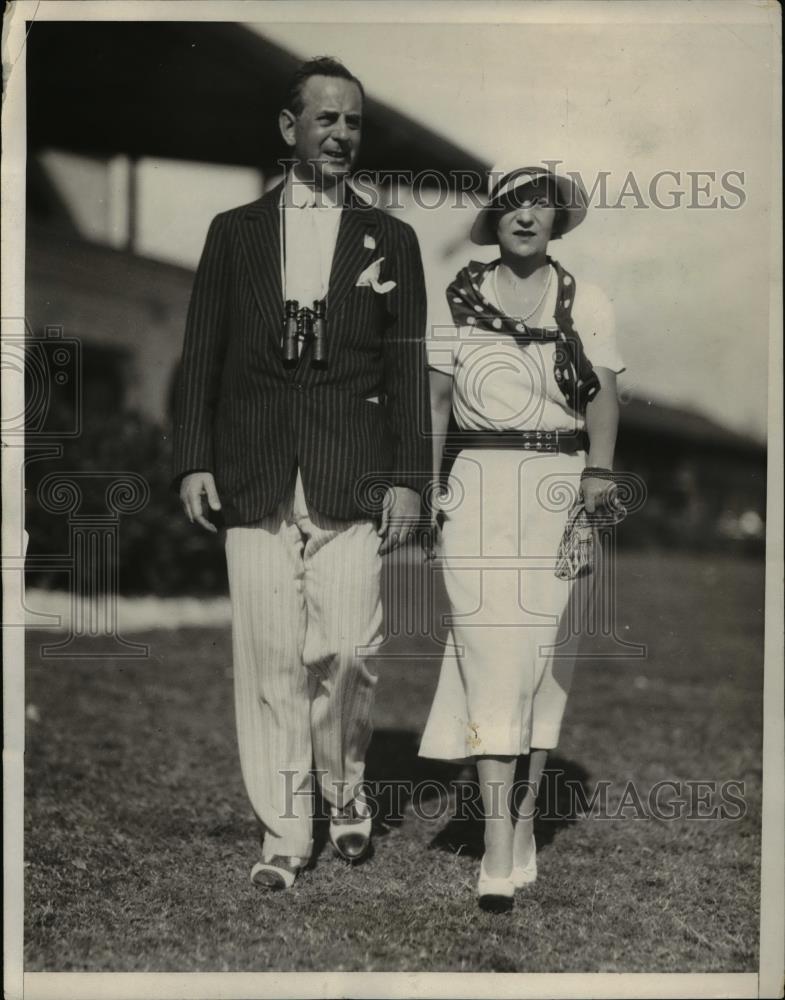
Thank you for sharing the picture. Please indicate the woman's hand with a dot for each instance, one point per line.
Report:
(595, 493)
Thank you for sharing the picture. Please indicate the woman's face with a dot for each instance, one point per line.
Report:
(524, 229)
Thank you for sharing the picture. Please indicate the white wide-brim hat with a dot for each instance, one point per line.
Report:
(571, 197)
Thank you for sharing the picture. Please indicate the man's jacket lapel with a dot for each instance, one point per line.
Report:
(260, 238)
(353, 252)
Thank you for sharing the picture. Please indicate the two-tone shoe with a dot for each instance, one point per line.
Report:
(277, 872)
(350, 829)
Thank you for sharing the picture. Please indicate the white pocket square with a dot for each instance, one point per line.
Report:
(370, 276)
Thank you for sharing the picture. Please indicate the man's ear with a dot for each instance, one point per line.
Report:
(286, 123)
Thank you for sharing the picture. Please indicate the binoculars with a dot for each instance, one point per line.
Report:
(309, 324)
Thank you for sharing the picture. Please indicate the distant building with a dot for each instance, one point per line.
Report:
(706, 484)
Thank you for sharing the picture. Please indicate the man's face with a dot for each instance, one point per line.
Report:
(326, 133)
(524, 228)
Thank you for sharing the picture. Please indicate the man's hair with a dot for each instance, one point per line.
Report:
(321, 66)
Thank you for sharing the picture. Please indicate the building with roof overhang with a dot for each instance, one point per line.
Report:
(140, 131)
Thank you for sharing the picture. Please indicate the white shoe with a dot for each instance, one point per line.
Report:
(525, 874)
(494, 893)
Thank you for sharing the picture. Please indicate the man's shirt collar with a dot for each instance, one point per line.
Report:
(298, 194)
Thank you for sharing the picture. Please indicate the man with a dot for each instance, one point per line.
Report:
(310, 436)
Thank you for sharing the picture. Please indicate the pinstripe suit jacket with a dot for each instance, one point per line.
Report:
(243, 416)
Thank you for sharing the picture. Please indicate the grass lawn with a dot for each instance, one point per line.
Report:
(139, 838)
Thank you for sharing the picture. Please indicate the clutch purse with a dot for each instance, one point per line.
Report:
(577, 546)
(576, 549)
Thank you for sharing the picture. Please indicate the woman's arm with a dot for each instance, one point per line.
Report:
(602, 422)
(441, 405)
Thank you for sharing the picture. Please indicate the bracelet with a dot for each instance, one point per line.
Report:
(597, 472)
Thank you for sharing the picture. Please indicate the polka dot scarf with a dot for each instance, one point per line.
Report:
(572, 370)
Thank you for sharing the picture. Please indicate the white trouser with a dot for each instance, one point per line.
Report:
(306, 617)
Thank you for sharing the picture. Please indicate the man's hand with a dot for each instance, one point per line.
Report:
(400, 516)
(192, 489)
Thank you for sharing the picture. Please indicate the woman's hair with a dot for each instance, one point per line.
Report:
(559, 222)
(321, 66)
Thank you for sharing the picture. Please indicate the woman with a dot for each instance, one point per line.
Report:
(525, 376)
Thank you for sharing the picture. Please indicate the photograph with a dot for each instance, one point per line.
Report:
(392, 499)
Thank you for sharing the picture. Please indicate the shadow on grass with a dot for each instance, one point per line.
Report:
(393, 773)
(404, 785)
